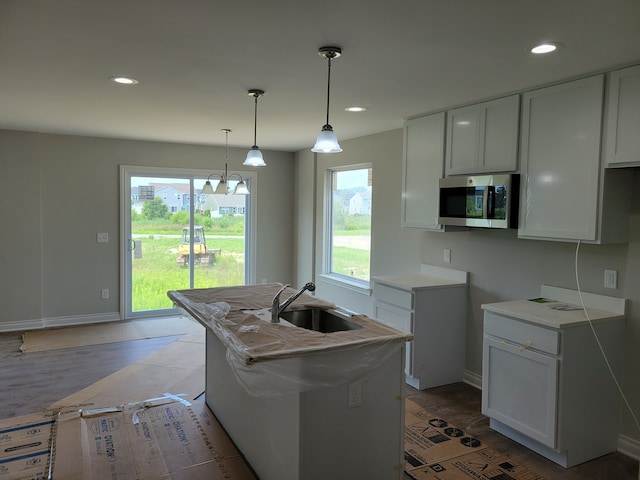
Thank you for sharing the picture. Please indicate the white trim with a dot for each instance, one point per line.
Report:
(473, 379)
(359, 286)
(20, 325)
(629, 446)
(327, 231)
(67, 321)
(129, 171)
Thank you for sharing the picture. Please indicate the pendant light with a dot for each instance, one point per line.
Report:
(223, 187)
(254, 157)
(327, 141)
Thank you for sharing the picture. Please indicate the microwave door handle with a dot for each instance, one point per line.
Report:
(490, 199)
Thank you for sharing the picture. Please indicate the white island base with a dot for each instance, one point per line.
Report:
(313, 435)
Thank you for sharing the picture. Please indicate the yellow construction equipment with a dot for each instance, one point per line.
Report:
(202, 254)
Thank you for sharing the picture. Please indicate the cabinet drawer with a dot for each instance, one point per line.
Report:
(394, 317)
(394, 296)
(522, 333)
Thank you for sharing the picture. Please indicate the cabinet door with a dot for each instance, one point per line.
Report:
(519, 389)
(560, 158)
(423, 167)
(463, 134)
(400, 319)
(499, 125)
(623, 140)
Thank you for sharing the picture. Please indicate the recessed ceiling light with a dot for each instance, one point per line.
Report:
(355, 109)
(546, 47)
(124, 80)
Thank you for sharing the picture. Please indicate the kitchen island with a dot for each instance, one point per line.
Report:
(301, 403)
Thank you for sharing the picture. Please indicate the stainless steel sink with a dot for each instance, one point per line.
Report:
(319, 320)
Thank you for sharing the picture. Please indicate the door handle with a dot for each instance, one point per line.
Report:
(526, 345)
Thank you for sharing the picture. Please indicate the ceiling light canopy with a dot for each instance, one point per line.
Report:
(223, 187)
(254, 156)
(327, 141)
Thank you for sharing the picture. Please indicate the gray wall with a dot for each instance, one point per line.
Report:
(501, 267)
(58, 191)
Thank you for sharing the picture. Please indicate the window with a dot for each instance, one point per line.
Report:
(349, 224)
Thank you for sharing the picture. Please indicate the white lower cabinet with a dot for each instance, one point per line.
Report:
(434, 309)
(545, 386)
(529, 406)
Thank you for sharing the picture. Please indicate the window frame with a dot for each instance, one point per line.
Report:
(340, 279)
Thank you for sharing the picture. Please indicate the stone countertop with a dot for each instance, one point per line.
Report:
(429, 277)
(417, 281)
(254, 339)
(549, 314)
(560, 308)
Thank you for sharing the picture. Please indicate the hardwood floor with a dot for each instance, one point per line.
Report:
(31, 382)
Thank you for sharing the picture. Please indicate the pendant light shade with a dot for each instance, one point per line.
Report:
(207, 189)
(327, 141)
(223, 187)
(254, 156)
(241, 188)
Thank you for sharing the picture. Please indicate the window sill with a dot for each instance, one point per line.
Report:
(359, 286)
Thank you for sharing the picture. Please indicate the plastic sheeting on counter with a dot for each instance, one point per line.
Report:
(271, 358)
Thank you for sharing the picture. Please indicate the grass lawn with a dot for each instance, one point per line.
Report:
(157, 272)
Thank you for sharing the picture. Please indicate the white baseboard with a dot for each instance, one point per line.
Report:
(20, 325)
(51, 322)
(629, 446)
(472, 379)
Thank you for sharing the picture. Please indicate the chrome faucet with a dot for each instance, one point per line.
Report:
(277, 309)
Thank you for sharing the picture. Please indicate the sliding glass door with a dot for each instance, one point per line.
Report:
(175, 237)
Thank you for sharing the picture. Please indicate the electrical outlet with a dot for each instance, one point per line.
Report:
(355, 395)
(103, 238)
(610, 279)
(447, 255)
(105, 293)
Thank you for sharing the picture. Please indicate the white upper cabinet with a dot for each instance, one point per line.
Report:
(560, 160)
(423, 167)
(623, 118)
(483, 138)
(565, 193)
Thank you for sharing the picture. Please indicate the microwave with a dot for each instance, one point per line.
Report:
(488, 201)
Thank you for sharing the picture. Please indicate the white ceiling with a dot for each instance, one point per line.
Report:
(196, 59)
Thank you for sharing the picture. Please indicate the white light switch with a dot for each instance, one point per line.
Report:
(103, 238)
(447, 255)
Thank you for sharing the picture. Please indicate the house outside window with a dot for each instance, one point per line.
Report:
(348, 227)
